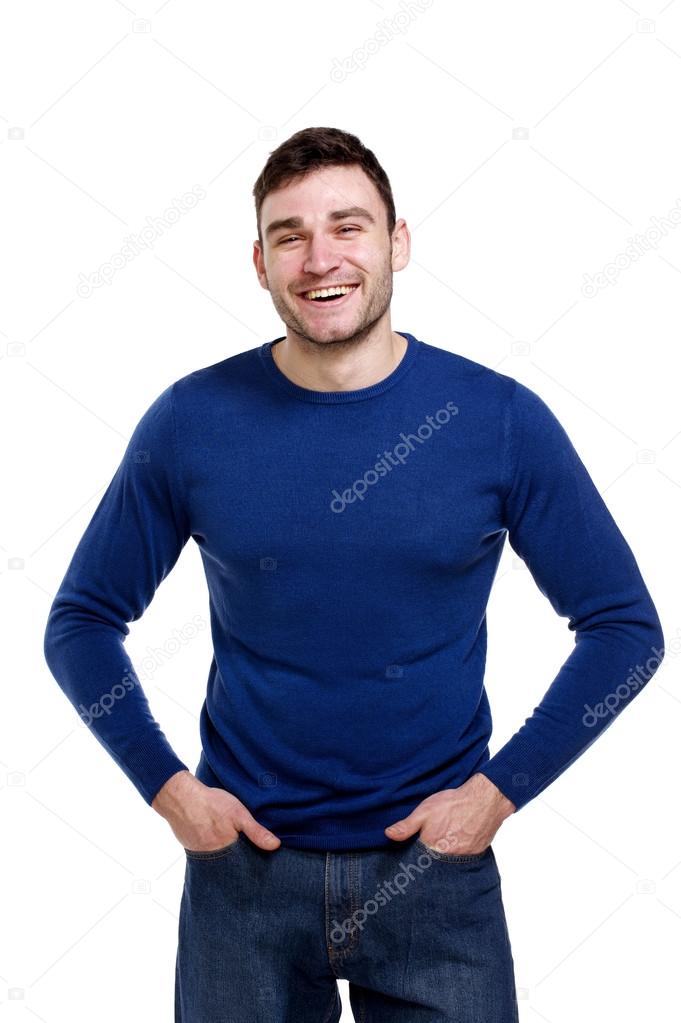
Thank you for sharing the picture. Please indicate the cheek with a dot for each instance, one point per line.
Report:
(285, 272)
(278, 277)
(371, 262)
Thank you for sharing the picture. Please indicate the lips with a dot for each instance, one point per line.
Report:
(329, 303)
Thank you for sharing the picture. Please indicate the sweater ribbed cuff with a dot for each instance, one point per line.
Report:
(520, 771)
(149, 762)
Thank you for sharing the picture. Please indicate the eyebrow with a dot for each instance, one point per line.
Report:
(294, 223)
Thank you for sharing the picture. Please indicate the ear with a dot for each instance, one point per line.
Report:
(259, 264)
(401, 245)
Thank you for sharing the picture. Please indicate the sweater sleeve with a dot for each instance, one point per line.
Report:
(560, 526)
(131, 543)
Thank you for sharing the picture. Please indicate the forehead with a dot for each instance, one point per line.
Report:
(320, 192)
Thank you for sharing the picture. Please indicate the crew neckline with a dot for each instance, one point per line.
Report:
(336, 397)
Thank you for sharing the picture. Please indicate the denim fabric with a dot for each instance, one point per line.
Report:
(420, 936)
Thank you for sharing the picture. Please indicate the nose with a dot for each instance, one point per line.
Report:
(321, 256)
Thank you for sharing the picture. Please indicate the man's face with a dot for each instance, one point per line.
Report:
(325, 229)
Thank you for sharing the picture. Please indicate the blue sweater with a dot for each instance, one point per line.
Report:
(349, 541)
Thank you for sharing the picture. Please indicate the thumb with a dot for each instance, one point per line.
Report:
(260, 835)
(404, 828)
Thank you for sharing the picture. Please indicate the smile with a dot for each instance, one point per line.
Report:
(331, 297)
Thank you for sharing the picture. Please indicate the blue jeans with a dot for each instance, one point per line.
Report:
(420, 936)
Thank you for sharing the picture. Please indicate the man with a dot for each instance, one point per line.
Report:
(350, 489)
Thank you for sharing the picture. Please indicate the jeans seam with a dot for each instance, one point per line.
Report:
(331, 953)
(452, 857)
(213, 854)
(354, 901)
(334, 1001)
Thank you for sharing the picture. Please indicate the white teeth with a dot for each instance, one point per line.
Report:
(324, 292)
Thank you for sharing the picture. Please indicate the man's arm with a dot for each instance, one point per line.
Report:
(559, 524)
(131, 543)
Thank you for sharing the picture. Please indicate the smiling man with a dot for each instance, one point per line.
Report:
(329, 273)
(350, 488)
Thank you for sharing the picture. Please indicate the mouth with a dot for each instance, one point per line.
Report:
(329, 297)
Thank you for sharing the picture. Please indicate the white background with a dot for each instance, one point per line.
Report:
(526, 144)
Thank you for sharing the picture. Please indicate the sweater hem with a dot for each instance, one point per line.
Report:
(348, 842)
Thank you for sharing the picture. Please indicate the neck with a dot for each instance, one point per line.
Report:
(339, 367)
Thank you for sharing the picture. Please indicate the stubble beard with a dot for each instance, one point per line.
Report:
(379, 301)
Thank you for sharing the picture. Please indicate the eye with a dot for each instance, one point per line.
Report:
(293, 237)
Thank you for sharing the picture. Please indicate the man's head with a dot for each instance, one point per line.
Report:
(326, 217)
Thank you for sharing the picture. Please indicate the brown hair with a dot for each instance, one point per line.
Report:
(312, 148)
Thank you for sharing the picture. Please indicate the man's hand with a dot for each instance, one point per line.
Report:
(203, 818)
(459, 821)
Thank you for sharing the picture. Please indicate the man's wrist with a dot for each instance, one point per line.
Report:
(505, 806)
(173, 792)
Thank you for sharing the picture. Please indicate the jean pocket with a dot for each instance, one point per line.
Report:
(453, 857)
(213, 854)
